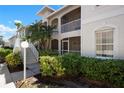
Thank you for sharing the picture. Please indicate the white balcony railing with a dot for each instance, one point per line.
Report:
(71, 26)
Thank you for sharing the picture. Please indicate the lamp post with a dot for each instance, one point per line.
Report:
(24, 45)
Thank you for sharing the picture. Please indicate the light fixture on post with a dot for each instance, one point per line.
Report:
(24, 45)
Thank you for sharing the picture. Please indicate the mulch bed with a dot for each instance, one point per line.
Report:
(16, 69)
(39, 81)
(95, 83)
(2, 60)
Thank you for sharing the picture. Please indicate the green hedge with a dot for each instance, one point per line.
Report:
(48, 53)
(50, 66)
(71, 64)
(13, 60)
(111, 71)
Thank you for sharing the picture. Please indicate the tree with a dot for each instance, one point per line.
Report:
(48, 31)
(18, 25)
(41, 33)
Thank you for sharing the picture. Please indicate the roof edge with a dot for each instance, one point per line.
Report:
(57, 11)
(44, 8)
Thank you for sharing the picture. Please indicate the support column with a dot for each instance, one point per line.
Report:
(68, 45)
(59, 46)
(59, 35)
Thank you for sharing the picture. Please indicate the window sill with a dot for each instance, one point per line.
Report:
(100, 57)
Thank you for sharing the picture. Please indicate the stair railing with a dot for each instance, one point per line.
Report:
(34, 50)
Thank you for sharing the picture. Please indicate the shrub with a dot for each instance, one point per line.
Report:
(71, 63)
(111, 71)
(4, 52)
(7, 51)
(48, 53)
(50, 66)
(13, 60)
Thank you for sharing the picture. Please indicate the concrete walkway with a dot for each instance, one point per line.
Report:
(33, 69)
(5, 77)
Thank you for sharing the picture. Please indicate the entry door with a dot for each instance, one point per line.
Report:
(65, 46)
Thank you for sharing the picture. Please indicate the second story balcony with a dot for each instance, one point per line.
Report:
(71, 26)
(71, 21)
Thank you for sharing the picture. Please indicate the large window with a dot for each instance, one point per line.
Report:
(104, 43)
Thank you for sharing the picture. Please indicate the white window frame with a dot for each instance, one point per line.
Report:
(100, 31)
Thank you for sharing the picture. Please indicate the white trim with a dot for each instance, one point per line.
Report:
(103, 16)
(81, 33)
(100, 57)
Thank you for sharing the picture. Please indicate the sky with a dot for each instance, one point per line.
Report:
(26, 14)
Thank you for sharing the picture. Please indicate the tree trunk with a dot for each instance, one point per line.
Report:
(48, 44)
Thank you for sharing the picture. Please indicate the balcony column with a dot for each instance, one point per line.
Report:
(81, 41)
(59, 46)
(59, 25)
(59, 35)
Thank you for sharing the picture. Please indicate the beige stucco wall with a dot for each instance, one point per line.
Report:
(88, 47)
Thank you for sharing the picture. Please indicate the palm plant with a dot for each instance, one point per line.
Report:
(36, 35)
(41, 33)
(48, 31)
(18, 25)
